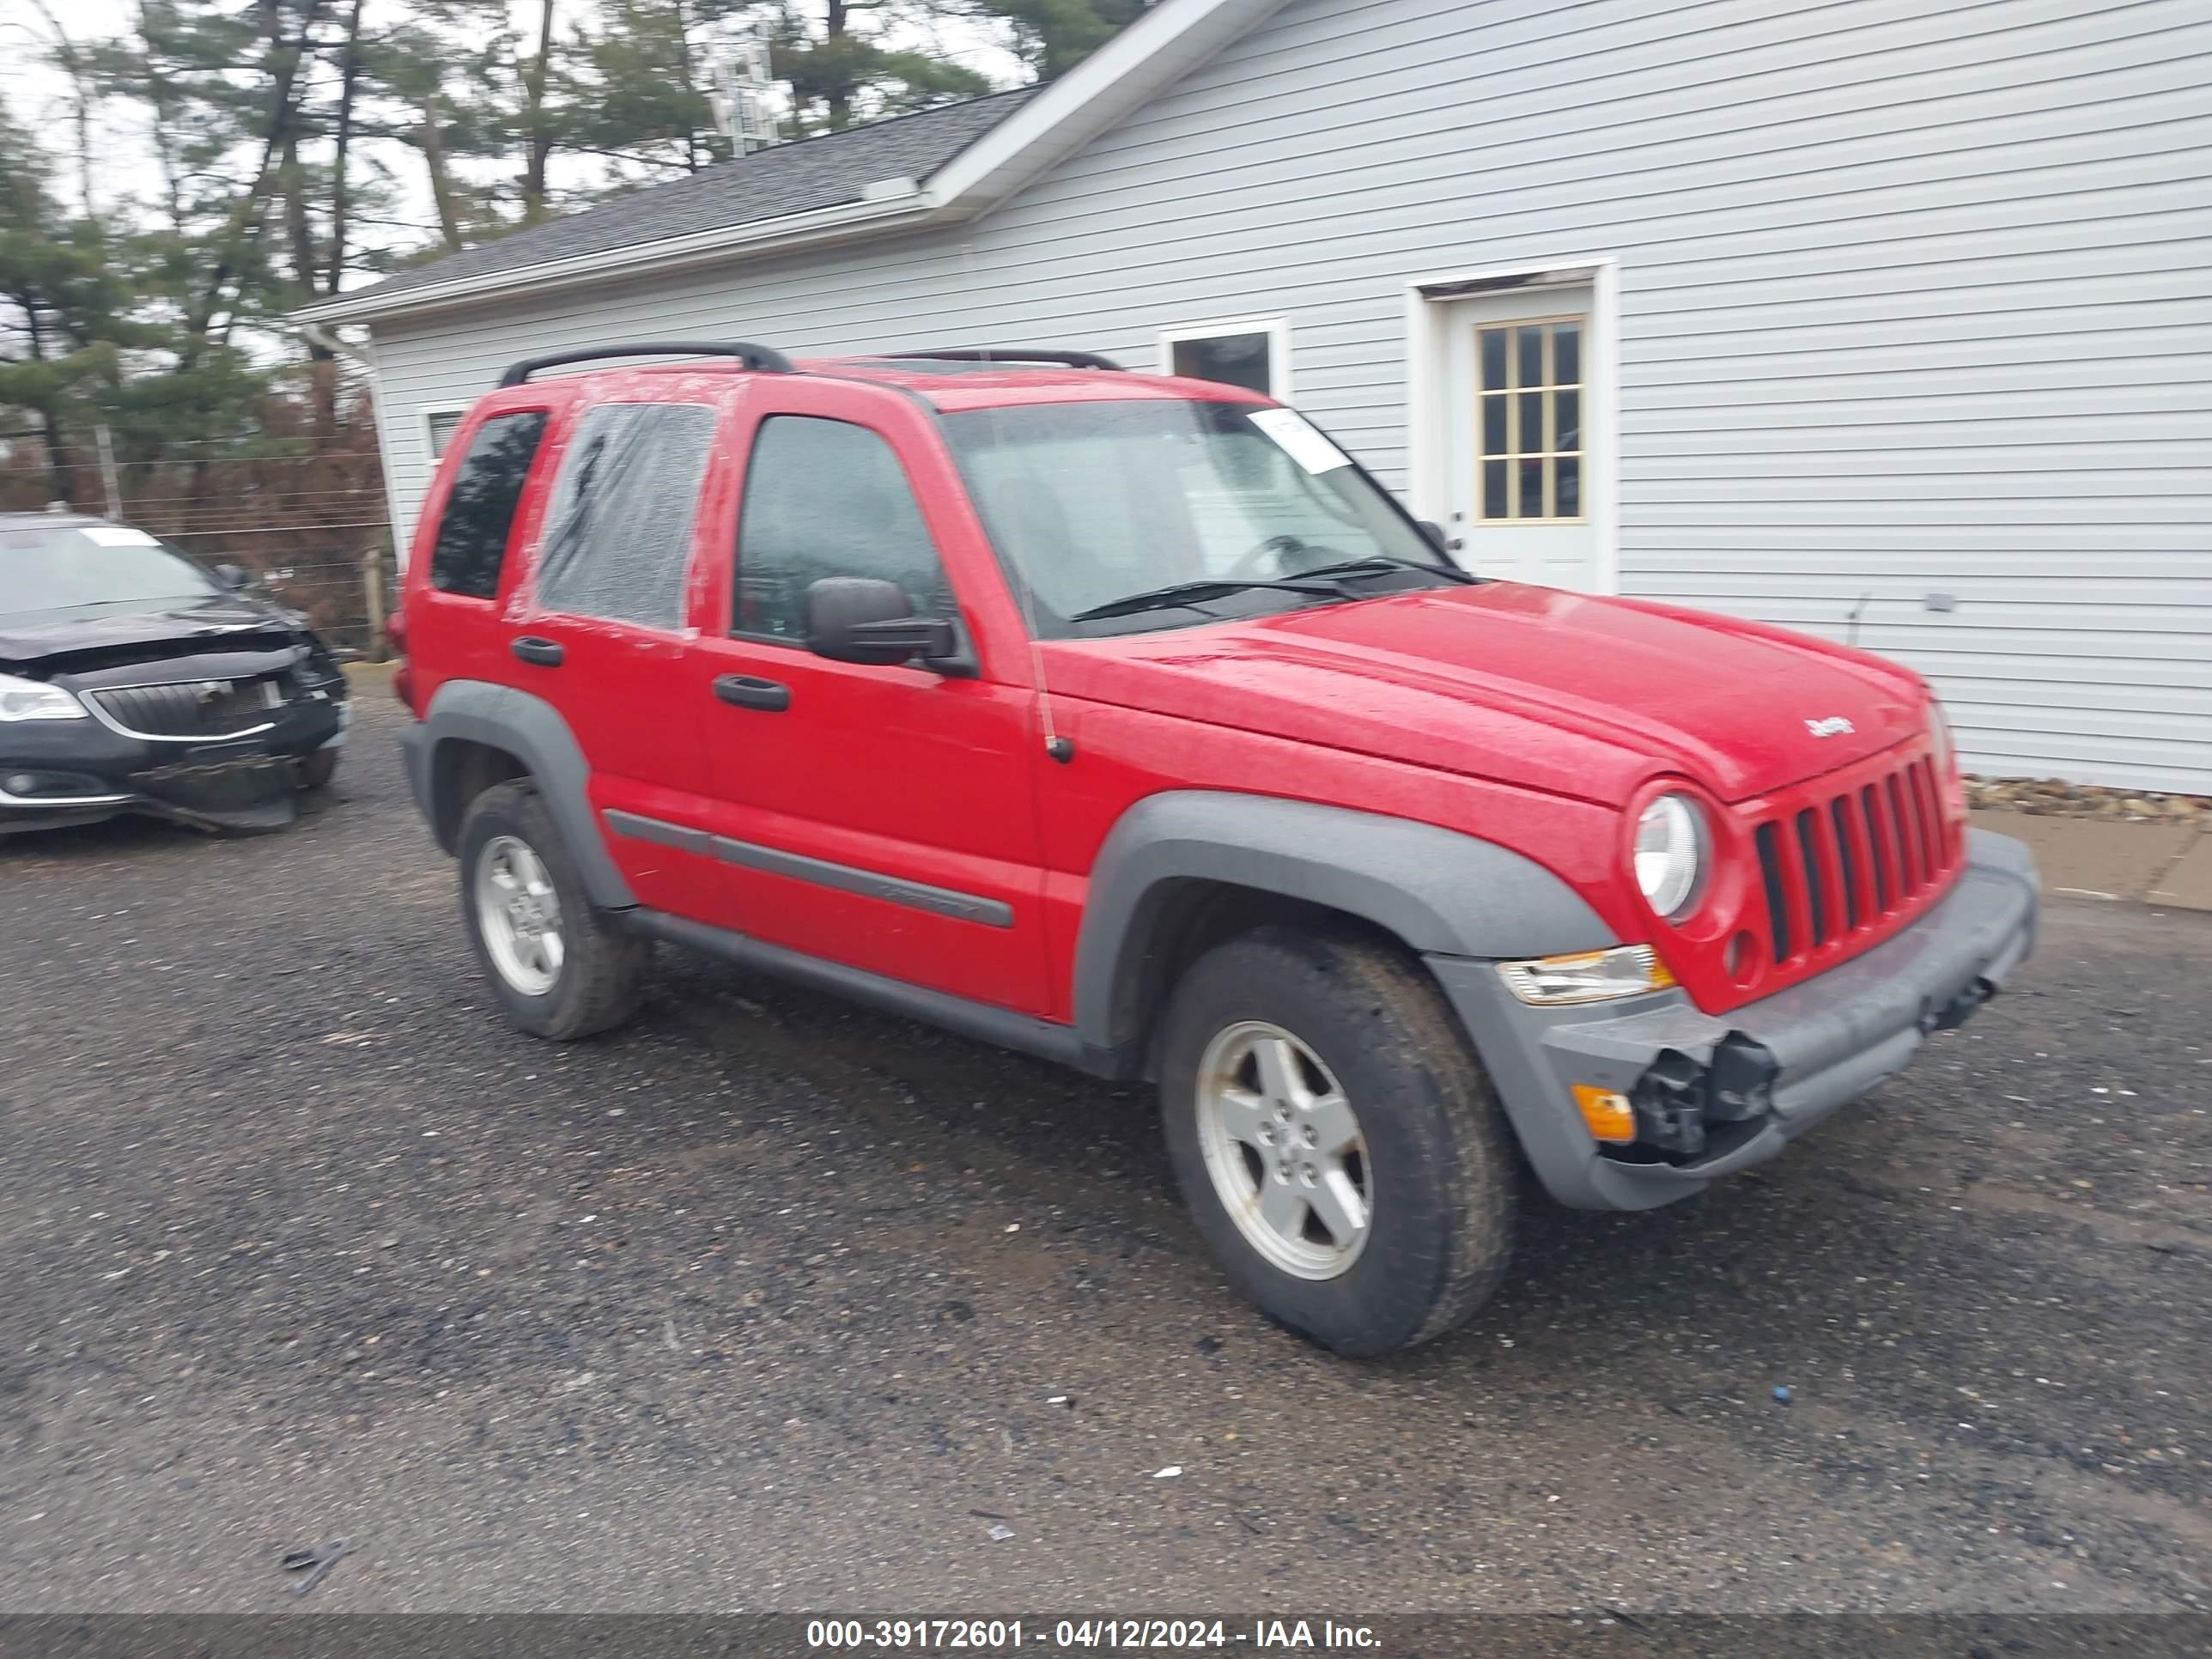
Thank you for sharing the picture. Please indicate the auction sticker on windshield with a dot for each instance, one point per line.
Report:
(1299, 440)
(116, 535)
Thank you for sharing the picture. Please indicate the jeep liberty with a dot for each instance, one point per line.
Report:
(1126, 721)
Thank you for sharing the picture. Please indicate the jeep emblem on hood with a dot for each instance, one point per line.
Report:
(1834, 727)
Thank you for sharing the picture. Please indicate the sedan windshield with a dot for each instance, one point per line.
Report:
(1160, 514)
(82, 567)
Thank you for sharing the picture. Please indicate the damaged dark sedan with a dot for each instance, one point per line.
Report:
(133, 679)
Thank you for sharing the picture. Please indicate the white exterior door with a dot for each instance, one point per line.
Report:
(1515, 418)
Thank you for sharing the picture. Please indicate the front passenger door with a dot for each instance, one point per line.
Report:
(879, 817)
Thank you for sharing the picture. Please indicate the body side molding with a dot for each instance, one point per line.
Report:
(823, 872)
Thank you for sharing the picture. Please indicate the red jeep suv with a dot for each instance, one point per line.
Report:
(1127, 720)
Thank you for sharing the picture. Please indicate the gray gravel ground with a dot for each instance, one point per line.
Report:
(761, 1302)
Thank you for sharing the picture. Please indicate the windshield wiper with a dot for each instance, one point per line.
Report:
(1175, 594)
(1379, 562)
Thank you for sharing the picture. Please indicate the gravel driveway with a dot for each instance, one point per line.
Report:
(767, 1301)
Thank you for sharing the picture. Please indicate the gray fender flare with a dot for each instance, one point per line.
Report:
(531, 730)
(1440, 891)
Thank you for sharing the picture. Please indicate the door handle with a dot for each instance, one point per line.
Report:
(546, 653)
(750, 691)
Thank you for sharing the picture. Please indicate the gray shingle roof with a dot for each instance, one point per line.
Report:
(825, 171)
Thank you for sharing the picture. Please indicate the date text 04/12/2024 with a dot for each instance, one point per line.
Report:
(987, 1636)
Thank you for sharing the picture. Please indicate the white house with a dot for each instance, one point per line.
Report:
(1805, 310)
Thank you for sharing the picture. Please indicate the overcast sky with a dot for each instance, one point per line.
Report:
(38, 97)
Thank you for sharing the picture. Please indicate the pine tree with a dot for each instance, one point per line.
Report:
(841, 68)
(1053, 36)
(61, 322)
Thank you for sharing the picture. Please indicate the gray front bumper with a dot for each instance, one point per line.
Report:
(1832, 1038)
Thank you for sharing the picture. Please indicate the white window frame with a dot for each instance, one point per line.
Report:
(1428, 470)
(1277, 329)
(427, 413)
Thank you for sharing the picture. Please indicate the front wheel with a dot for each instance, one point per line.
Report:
(1338, 1145)
(561, 968)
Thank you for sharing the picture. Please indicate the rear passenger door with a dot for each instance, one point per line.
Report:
(457, 600)
(601, 631)
(879, 817)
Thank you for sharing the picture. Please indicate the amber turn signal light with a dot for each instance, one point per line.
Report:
(1606, 1111)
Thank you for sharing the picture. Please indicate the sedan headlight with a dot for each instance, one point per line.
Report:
(32, 700)
(1670, 855)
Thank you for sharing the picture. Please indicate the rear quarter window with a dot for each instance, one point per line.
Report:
(473, 532)
(618, 535)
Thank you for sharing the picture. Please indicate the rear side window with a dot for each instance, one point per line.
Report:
(618, 535)
(826, 498)
(472, 535)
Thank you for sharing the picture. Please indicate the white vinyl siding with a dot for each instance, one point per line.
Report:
(1913, 300)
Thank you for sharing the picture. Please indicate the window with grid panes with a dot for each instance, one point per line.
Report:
(1530, 425)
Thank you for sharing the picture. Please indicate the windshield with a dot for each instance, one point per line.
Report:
(1091, 502)
(72, 567)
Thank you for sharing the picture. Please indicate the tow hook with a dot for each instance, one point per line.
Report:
(1677, 1097)
(1669, 1103)
(1954, 1013)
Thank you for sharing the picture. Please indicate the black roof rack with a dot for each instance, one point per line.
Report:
(1007, 355)
(766, 359)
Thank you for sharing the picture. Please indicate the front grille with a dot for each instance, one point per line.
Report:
(190, 708)
(1852, 861)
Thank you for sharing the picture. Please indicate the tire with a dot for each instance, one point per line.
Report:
(316, 771)
(1434, 1167)
(592, 976)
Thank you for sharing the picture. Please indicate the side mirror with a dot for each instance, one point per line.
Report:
(862, 619)
(1435, 532)
(234, 577)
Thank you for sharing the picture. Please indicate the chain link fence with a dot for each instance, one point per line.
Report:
(312, 531)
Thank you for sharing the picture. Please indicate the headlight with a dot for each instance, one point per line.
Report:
(1626, 970)
(28, 700)
(1670, 854)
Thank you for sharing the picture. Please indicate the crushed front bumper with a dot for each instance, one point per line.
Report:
(79, 771)
(1740, 1086)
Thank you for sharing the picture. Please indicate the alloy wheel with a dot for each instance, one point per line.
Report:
(1284, 1147)
(520, 913)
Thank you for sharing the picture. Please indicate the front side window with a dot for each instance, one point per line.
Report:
(826, 498)
(1090, 502)
(479, 516)
(618, 536)
(94, 568)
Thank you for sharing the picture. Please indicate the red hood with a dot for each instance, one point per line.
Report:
(1533, 686)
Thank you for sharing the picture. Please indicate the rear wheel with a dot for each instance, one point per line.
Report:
(1338, 1145)
(561, 968)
